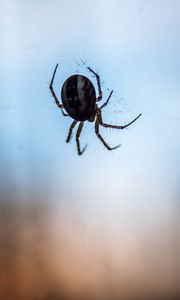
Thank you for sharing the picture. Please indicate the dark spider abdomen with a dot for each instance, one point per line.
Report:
(78, 97)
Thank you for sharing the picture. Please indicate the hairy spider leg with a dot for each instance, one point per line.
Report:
(98, 84)
(97, 123)
(105, 103)
(70, 131)
(77, 139)
(99, 116)
(54, 95)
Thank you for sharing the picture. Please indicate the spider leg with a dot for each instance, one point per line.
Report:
(70, 131)
(77, 139)
(98, 84)
(99, 116)
(105, 103)
(101, 138)
(54, 95)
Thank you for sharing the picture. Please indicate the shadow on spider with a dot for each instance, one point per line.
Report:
(80, 103)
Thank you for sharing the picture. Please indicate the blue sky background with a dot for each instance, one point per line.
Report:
(125, 195)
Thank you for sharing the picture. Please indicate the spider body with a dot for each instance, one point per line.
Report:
(80, 102)
(78, 97)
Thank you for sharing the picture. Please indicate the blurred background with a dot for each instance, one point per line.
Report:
(104, 225)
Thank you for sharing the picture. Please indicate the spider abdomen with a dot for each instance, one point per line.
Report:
(78, 97)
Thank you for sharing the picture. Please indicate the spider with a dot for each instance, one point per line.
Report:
(80, 102)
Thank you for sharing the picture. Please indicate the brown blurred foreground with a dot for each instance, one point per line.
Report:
(49, 255)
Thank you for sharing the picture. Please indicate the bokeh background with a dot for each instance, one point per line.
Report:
(104, 225)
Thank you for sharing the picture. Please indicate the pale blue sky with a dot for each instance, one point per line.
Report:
(135, 47)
